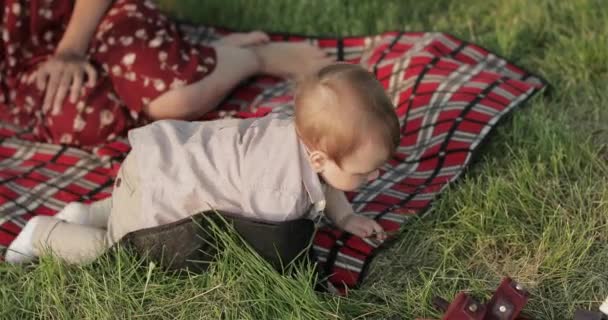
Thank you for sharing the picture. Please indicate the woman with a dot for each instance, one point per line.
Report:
(83, 72)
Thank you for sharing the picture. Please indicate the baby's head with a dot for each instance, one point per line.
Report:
(348, 124)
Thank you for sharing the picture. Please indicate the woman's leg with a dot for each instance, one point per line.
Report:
(235, 64)
(155, 71)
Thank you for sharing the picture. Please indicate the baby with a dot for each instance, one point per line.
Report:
(276, 168)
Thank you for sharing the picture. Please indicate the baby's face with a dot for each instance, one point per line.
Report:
(357, 169)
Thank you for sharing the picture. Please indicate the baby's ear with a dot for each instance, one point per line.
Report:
(318, 160)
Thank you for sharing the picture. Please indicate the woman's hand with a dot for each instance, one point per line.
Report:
(62, 73)
(362, 227)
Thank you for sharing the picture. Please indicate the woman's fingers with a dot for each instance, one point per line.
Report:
(77, 80)
(32, 77)
(41, 79)
(91, 75)
(62, 89)
(59, 77)
(51, 89)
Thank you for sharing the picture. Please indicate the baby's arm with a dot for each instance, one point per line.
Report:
(341, 213)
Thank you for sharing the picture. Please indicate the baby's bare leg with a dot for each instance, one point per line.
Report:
(235, 64)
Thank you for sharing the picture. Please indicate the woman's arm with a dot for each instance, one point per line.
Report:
(85, 17)
(64, 72)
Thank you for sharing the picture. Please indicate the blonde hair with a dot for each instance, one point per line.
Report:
(341, 105)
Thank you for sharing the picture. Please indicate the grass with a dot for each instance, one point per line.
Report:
(534, 206)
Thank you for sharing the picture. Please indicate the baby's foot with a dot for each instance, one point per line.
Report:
(244, 39)
(21, 250)
(74, 212)
(290, 59)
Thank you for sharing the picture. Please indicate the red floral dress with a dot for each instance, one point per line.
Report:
(138, 52)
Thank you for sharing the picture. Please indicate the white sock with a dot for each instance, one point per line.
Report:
(21, 250)
(604, 307)
(74, 212)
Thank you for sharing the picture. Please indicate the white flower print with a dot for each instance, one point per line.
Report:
(106, 117)
(29, 100)
(112, 97)
(16, 8)
(80, 106)
(130, 76)
(126, 41)
(149, 4)
(66, 138)
(162, 56)
(159, 85)
(128, 59)
(177, 83)
(116, 70)
(134, 114)
(79, 123)
(48, 36)
(103, 48)
(105, 26)
(141, 34)
(156, 42)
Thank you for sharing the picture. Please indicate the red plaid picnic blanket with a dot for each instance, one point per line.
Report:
(448, 94)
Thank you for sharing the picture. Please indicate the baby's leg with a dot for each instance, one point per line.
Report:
(235, 64)
(72, 242)
(95, 214)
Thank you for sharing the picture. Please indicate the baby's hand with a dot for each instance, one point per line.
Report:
(363, 227)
